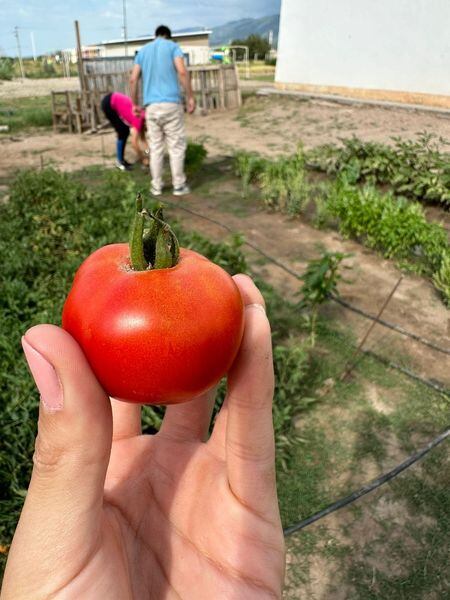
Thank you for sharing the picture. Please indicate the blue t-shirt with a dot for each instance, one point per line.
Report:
(159, 75)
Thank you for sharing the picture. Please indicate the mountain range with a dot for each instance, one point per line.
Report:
(238, 30)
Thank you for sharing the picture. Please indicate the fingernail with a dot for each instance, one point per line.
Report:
(45, 377)
(258, 306)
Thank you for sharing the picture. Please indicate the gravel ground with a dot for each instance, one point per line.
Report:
(19, 88)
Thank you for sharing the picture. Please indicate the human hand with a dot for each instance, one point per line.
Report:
(111, 513)
(190, 105)
(137, 110)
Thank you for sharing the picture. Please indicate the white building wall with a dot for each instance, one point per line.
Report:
(399, 45)
(198, 55)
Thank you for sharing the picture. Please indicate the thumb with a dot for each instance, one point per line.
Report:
(73, 443)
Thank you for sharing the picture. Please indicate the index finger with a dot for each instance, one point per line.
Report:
(249, 438)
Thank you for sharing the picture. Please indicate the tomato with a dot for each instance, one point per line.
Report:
(154, 336)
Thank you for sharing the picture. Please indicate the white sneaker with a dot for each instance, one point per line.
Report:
(182, 191)
(154, 191)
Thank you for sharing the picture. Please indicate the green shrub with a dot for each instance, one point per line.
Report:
(283, 184)
(6, 69)
(414, 168)
(282, 181)
(195, 157)
(396, 227)
(248, 166)
(441, 278)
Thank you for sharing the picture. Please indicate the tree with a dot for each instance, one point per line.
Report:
(256, 45)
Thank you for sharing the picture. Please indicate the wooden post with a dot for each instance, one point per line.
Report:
(222, 87)
(54, 112)
(238, 87)
(80, 58)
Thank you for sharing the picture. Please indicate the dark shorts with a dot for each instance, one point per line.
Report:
(122, 129)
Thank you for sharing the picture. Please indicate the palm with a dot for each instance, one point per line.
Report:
(185, 534)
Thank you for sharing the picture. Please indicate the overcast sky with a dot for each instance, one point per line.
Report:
(52, 22)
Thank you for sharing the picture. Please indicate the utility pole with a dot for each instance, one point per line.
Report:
(33, 46)
(19, 51)
(125, 32)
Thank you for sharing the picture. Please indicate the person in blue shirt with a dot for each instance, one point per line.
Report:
(162, 68)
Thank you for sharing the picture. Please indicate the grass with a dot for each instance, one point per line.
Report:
(25, 113)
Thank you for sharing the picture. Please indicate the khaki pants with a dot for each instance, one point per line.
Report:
(165, 122)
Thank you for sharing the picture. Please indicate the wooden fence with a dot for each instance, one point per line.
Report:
(215, 87)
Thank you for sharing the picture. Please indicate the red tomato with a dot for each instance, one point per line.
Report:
(157, 336)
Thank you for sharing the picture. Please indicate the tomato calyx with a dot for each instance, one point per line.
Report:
(153, 244)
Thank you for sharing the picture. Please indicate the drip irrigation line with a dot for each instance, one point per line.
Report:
(369, 487)
(435, 385)
(336, 299)
(393, 326)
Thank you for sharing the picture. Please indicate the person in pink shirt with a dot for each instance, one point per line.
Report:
(118, 110)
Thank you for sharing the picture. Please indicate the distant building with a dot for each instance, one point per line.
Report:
(194, 44)
(381, 50)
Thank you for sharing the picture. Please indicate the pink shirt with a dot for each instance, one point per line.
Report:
(124, 108)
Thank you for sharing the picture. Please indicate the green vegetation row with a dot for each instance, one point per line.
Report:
(50, 223)
(24, 113)
(392, 225)
(414, 168)
(41, 68)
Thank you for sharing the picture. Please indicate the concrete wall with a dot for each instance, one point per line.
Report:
(398, 45)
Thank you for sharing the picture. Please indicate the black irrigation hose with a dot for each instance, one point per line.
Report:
(343, 303)
(369, 487)
(397, 328)
(435, 385)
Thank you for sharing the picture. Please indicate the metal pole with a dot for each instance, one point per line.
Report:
(33, 45)
(125, 32)
(19, 51)
(351, 362)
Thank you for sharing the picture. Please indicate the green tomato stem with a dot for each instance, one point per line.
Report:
(154, 247)
(138, 262)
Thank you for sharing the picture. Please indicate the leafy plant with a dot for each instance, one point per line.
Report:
(319, 283)
(441, 278)
(6, 68)
(248, 166)
(283, 183)
(414, 168)
(291, 364)
(396, 227)
(195, 157)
